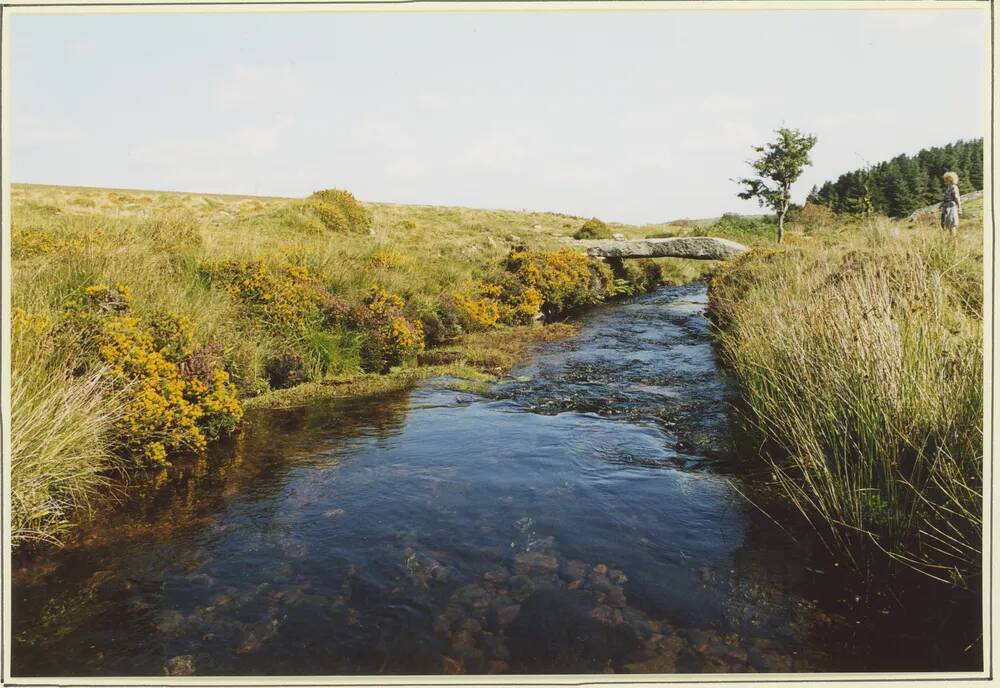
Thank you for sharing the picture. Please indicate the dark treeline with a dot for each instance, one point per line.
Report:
(905, 183)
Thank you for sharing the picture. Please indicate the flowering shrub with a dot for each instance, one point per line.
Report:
(287, 298)
(480, 310)
(391, 338)
(593, 229)
(39, 242)
(28, 325)
(501, 298)
(339, 211)
(390, 260)
(177, 399)
(564, 279)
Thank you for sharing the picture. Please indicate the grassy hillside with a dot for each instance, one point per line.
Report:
(859, 350)
(153, 319)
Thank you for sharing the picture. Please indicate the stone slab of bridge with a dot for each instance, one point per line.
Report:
(697, 248)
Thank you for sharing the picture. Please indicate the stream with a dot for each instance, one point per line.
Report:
(585, 515)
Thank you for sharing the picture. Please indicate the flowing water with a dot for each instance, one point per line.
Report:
(584, 516)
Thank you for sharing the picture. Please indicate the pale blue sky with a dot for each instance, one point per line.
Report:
(630, 116)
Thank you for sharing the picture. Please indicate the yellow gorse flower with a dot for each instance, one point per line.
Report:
(166, 410)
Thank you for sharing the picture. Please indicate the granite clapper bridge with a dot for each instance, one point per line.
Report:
(697, 248)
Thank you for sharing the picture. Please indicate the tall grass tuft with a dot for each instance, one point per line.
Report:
(861, 363)
(61, 440)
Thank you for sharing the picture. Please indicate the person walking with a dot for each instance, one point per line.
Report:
(951, 205)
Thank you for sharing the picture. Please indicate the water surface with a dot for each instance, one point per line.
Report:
(584, 516)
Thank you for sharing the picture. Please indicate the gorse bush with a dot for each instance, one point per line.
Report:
(593, 229)
(339, 211)
(390, 337)
(862, 366)
(479, 306)
(501, 298)
(564, 279)
(175, 401)
(285, 298)
(391, 260)
(535, 284)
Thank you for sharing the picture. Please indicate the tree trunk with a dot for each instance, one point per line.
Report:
(782, 211)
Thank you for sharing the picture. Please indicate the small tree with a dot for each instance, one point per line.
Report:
(779, 166)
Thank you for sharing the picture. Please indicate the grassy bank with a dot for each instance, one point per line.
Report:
(858, 347)
(153, 319)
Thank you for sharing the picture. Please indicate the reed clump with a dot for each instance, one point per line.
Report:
(859, 356)
(62, 432)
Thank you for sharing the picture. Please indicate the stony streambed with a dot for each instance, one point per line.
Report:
(584, 516)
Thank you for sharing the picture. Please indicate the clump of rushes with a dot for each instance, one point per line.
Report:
(62, 431)
(339, 211)
(174, 400)
(861, 363)
(593, 229)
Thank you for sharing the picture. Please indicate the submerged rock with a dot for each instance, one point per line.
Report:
(599, 582)
(573, 569)
(498, 575)
(496, 666)
(661, 664)
(763, 655)
(471, 625)
(171, 622)
(507, 614)
(607, 615)
(473, 595)
(463, 640)
(616, 597)
(521, 586)
(450, 665)
(555, 633)
(529, 562)
(181, 665)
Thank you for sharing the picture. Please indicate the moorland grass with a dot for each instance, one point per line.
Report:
(859, 352)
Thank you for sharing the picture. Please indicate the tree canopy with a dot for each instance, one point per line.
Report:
(779, 166)
(899, 186)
